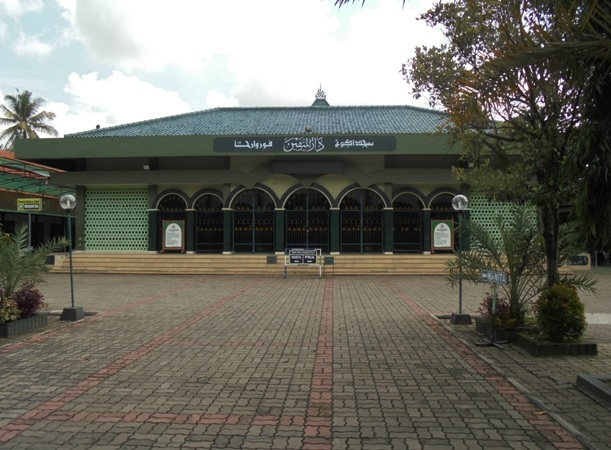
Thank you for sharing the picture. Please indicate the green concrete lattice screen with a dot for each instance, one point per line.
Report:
(116, 218)
(486, 212)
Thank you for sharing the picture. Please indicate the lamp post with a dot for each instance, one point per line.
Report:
(460, 203)
(68, 203)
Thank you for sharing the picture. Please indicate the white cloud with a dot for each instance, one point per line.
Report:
(154, 34)
(217, 99)
(114, 100)
(231, 53)
(359, 66)
(17, 8)
(69, 120)
(32, 46)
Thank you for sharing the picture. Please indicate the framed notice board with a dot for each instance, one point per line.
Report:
(173, 235)
(442, 235)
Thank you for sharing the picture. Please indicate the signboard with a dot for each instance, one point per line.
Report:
(303, 257)
(579, 260)
(496, 277)
(442, 235)
(29, 204)
(173, 235)
(304, 144)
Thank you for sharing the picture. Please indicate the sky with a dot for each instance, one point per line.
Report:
(110, 62)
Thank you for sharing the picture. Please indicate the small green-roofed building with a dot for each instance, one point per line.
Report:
(28, 196)
(343, 179)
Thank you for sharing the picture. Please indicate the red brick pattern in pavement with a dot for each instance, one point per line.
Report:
(244, 362)
(554, 433)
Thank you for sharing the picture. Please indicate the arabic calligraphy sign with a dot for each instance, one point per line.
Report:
(304, 144)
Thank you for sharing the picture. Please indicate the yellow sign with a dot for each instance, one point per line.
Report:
(29, 204)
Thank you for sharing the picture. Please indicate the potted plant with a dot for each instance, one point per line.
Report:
(515, 247)
(561, 325)
(21, 268)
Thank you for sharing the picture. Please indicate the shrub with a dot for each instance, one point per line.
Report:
(514, 245)
(18, 267)
(8, 310)
(502, 318)
(560, 314)
(29, 300)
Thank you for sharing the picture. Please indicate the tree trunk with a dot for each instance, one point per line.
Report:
(550, 219)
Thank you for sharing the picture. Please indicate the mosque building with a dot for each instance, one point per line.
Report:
(260, 180)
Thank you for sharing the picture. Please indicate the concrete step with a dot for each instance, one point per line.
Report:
(257, 264)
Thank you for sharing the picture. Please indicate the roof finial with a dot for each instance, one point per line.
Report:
(321, 94)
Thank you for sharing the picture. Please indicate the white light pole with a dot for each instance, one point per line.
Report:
(460, 203)
(68, 203)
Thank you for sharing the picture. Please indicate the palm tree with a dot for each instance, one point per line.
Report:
(23, 116)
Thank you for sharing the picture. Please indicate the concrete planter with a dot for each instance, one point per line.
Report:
(484, 327)
(534, 346)
(597, 385)
(541, 348)
(23, 326)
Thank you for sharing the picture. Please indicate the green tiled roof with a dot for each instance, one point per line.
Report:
(283, 121)
(28, 179)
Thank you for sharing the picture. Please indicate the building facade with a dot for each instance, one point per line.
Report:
(368, 179)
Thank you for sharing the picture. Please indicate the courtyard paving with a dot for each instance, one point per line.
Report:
(244, 362)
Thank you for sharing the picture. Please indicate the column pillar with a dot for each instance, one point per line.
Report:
(279, 228)
(335, 224)
(389, 237)
(426, 231)
(190, 229)
(227, 230)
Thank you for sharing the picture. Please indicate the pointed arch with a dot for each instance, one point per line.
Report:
(209, 221)
(307, 220)
(172, 206)
(439, 197)
(408, 198)
(408, 222)
(361, 221)
(254, 221)
(171, 199)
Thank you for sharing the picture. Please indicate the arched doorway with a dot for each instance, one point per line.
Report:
(307, 220)
(171, 207)
(407, 224)
(361, 222)
(209, 224)
(253, 222)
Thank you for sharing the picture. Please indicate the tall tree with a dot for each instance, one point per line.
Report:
(581, 43)
(24, 118)
(519, 130)
(568, 38)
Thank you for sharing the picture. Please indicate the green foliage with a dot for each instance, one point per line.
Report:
(517, 249)
(497, 313)
(20, 266)
(560, 314)
(578, 44)
(29, 300)
(518, 130)
(24, 118)
(8, 310)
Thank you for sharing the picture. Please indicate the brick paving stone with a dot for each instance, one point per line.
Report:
(299, 363)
